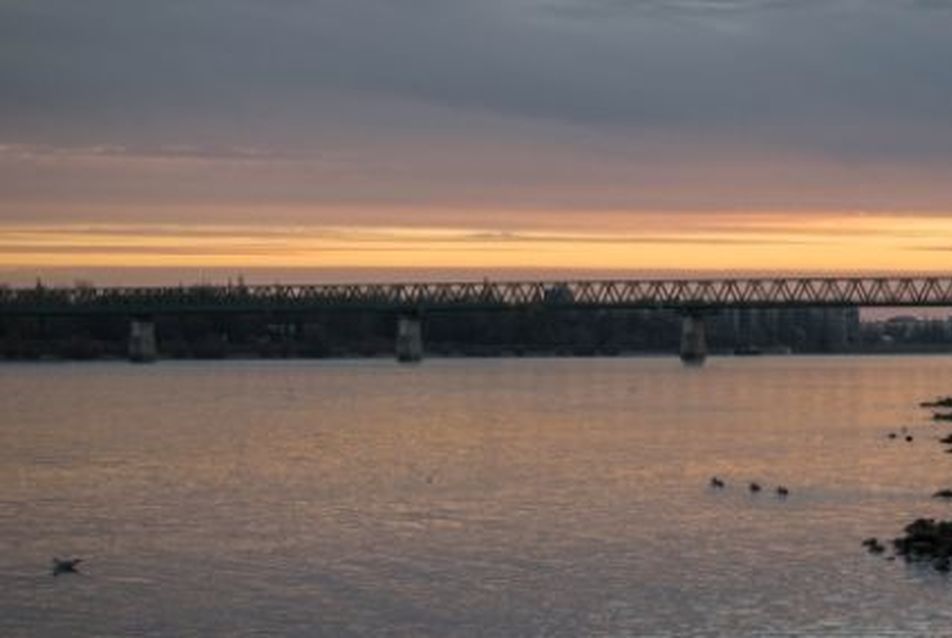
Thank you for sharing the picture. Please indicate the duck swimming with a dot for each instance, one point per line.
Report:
(65, 566)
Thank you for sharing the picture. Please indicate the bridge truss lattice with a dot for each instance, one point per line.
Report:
(670, 294)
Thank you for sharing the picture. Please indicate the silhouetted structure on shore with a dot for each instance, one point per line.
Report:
(692, 317)
(479, 333)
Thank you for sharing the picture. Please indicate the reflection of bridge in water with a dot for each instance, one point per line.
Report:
(410, 301)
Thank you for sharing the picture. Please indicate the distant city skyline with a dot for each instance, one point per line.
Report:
(344, 140)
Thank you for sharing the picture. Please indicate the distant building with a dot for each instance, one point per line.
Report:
(794, 329)
(558, 294)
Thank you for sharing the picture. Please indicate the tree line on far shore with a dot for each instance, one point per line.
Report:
(529, 332)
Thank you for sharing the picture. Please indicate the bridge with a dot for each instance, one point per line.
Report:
(410, 301)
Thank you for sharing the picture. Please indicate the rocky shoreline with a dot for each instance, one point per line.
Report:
(926, 540)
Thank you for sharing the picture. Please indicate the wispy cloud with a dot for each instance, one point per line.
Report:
(46, 152)
(526, 118)
(744, 245)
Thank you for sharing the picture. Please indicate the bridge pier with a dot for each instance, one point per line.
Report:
(693, 340)
(409, 339)
(142, 348)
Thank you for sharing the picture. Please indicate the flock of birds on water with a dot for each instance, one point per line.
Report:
(753, 487)
(70, 565)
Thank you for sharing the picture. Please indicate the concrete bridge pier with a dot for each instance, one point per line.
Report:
(409, 339)
(693, 340)
(142, 348)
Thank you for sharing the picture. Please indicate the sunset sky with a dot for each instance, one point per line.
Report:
(184, 140)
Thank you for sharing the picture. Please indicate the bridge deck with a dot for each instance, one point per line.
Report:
(679, 294)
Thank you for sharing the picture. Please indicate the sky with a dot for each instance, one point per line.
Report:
(325, 140)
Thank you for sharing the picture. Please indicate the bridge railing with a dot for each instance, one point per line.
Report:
(675, 294)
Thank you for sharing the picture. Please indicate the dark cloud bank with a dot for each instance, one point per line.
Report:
(799, 103)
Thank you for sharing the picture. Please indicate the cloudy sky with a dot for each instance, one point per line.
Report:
(324, 138)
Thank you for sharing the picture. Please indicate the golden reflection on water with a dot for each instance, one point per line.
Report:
(502, 496)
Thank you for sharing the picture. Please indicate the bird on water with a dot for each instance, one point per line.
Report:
(754, 487)
(65, 565)
(716, 482)
(874, 546)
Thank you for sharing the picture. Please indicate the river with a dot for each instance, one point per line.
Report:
(498, 497)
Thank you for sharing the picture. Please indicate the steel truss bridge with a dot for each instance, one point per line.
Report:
(684, 295)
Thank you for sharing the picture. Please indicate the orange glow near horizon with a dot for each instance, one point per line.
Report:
(635, 242)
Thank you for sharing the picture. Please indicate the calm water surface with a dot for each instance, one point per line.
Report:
(468, 498)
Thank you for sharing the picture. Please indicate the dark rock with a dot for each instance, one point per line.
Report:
(782, 491)
(947, 493)
(942, 416)
(946, 439)
(874, 546)
(926, 540)
(754, 487)
(944, 402)
(716, 482)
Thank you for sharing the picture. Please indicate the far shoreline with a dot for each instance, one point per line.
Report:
(244, 357)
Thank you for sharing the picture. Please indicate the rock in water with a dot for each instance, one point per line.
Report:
(944, 402)
(874, 546)
(926, 540)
